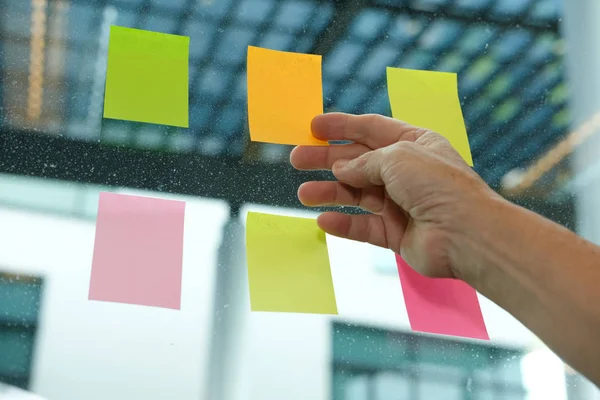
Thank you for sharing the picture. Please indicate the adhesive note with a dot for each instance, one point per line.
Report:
(441, 306)
(147, 77)
(138, 251)
(429, 100)
(288, 265)
(285, 92)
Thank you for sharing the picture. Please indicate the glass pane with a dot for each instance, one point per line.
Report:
(357, 388)
(528, 85)
(391, 386)
(436, 390)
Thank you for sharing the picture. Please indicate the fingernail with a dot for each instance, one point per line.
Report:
(336, 120)
(341, 164)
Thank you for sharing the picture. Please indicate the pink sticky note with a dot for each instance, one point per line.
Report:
(442, 306)
(138, 252)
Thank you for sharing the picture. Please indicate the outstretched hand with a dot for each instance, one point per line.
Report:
(416, 187)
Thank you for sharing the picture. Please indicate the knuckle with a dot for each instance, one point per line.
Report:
(402, 148)
(419, 132)
(397, 157)
(431, 137)
(372, 120)
(363, 161)
(371, 117)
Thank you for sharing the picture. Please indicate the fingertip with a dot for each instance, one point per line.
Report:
(339, 165)
(339, 169)
(293, 156)
(301, 193)
(318, 124)
(334, 223)
(323, 126)
(323, 221)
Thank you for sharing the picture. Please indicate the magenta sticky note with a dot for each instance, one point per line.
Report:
(441, 306)
(138, 251)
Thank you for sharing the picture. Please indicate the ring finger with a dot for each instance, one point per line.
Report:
(319, 158)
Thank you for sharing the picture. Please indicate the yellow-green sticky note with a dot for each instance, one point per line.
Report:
(147, 77)
(429, 99)
(288, 265)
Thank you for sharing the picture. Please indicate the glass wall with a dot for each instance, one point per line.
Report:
(523, 105)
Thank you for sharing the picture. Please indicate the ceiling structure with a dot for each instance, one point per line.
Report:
(508, 54)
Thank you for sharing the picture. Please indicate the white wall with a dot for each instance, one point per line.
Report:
(96, 350)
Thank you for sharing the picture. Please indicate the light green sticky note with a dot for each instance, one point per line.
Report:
(288, 265)
(147, 77)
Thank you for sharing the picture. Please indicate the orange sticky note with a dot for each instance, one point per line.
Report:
(285, 92)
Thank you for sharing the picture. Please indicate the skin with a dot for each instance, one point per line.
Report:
(428, 205)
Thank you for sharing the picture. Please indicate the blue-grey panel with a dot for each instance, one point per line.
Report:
(131, 3)
(159, 23)
(379, 102)
(169, 6)
(234, 45)
(452, 62)
(476, 39)
(541, 83)
(214, 81)
(305, 44)
(547, 10)
(339, 63)
(213, 10)
(429, 4)
(16, 20)
(230, 120)
(539, 117)
(369, 24)
(511, 8)
(417, 59)
(200, 113)
(543, 50)
(473, 5)
(253, 12)
(507, 72)
(440, 35)
(349, 99)
(378, 59)
(294, 15)
(241, 85)
(511, 43)
(201, 37)
(127, 18)
(405, 29)
(277, 41)
(83, 23)
(322, 18)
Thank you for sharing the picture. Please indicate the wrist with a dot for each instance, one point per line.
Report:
(472, 245)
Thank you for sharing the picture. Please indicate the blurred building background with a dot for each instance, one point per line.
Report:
(528, 76)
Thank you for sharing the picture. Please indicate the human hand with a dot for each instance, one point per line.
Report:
(419, 191)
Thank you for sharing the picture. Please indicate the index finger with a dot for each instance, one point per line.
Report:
(372, 130)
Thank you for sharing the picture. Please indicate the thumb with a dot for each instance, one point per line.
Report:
(360, 172)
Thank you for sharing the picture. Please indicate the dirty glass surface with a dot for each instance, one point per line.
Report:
(57, 154)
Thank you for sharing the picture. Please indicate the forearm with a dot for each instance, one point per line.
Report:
(541, 273)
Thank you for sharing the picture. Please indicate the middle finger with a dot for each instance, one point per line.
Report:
(323, 157)
(331, 193)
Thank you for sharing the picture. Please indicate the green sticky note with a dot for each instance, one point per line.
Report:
(288, 265)
(147, 77)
